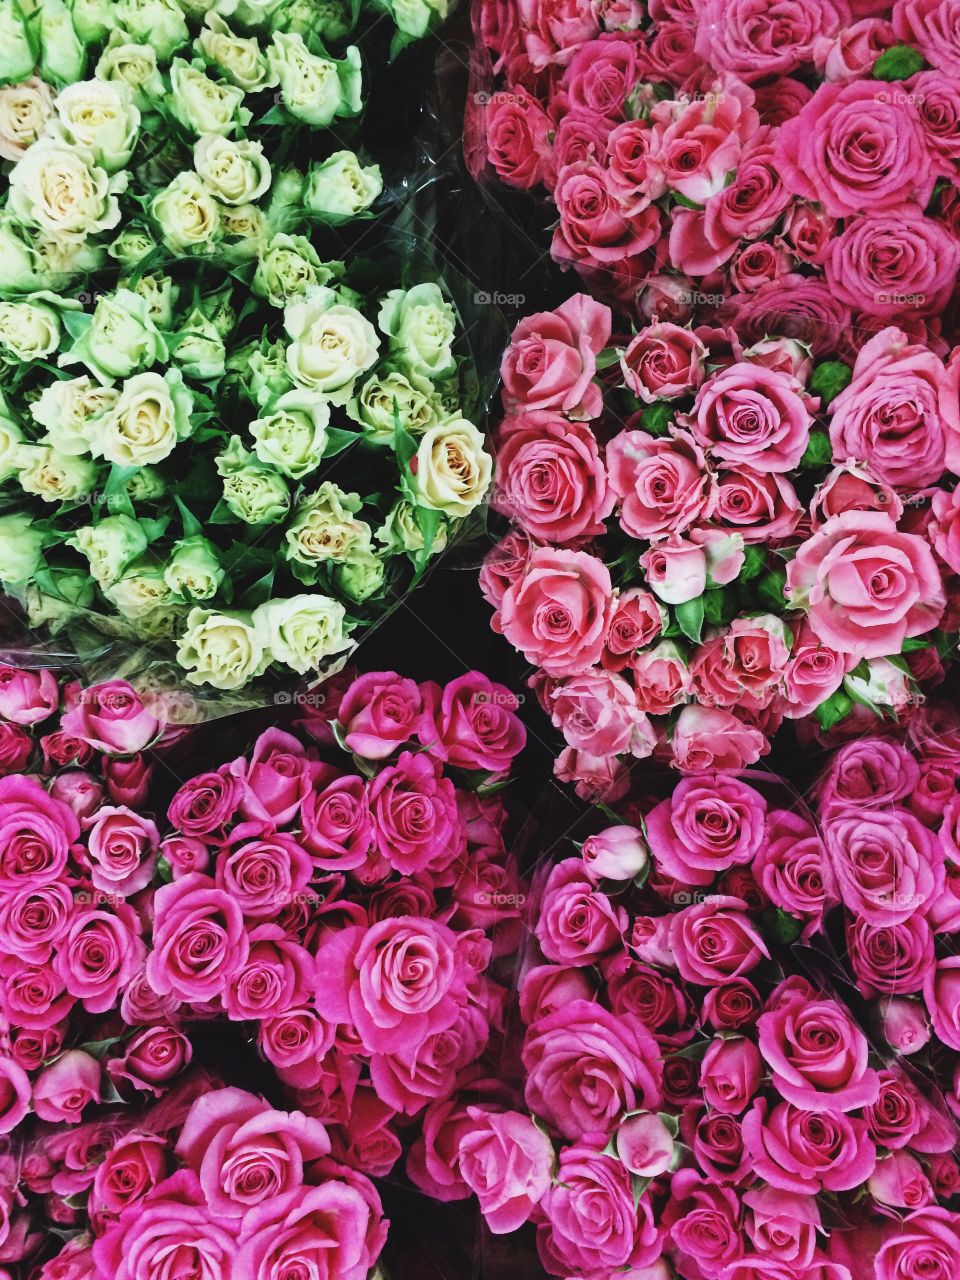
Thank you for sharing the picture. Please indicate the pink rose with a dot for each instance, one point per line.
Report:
(99, 954)
(552, 359)
(732, 1005)
(753, 416)
(905, 1025)
(941, 993)
(675, 569)
(892, 415)
(663, 362)
(899, 1181)
(851, 54)
(925, 1243)
(206, 803)
(151, 1059)
(865, 585)
(699, 142)
(380, 712)
(663, 483)
(414, 811)
(895, 1117)
(753, 202)
(199, 941)
(552, 30)
(27, 697)
(477, 724)
(36, 834)
(871, 773)
(790, 865)
(576, 923)
(708, 824)
(397, 982)
(817, 1055)
(743, 665)
(938, 103)
(762, 507)
(730, 1074)
(557, 614)
(645, 1145)
(585, 1067)
(34, 919)
(634, 178)
(123, 851)
(890, 958)
(516, 129)
(601, 76)
(14, 1094)
(703, 1223)
(782, 1226)
(617, 853)
(856, 148)
(592, 1224)
(111, 717)
(276, 778)
(63, 1089)
(550, 479)
(807, 1150)
(708, 739)
(16, 747)
(929, 24)
(661, 678)
(887, 864)
(133, 1166)
(507, 1162)
(746, 38)
(636, 621)
(800, 307)
(944, 528)
(597, 713)
(262, 875)
(595, 230)
(595, 778)
(714, 941)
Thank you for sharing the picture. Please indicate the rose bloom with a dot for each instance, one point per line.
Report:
(871, 773)
(707, 825)
(866, 586)
(36, 834)
(557, 614)
(924, 1246)
(762, 507)
(476, 723)
(637, 620)
(199, 940)
(941, 994)
(747, 414)
(887, 864)
(699, 142)
(702, 1222)
(892, 959)
(416, 823)
(663, 483)
(730, 1074)
(27, 697)
(663, 362)
(206, 803)
(791, 867)
(745, 37)
(516, 129)
(598, 712)
(550, 478)
(714, 940)
(575, 922)
(661, 679)
(707, 739)
(112, 718)
(929, 24)
(507, 1161)
(805, 1151)
(552, 359)
(594, 229)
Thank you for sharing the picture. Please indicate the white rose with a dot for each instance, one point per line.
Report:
(72, 592)
(93, 19)
(186, 213)
(331, 20)
(236, 172)
(223, 650)
(324, 529)
(304, 630)
(244, 229)
(200, 352)
(254, 493)
(28, 330)
(62, 55)
(400, 532)
(293, 436)
(102, 118)
(21, 553)
(145, 485)
(315, 89)
(194, 571)
(109, 546)
(120, 339)
(453, 468)
(24, 111)
(361, 576)
(11, 438)
(238, 57)
(67, 408)
(421, 325)
(150, 417)
(63, 192)
(332, 344)
(131, 246)
(160, 294)
(159, 23)
(203, 105)
(133, 65)
(287, 267)
(383, 398)
(140, 592)
(56, 477)
(341, 187)
(17, 54)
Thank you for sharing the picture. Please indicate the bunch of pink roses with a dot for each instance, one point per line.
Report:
(711, 537)
(692, 1105)
(795, 168)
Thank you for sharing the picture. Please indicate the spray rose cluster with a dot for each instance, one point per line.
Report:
(710, 537)
(698, 1097)
(794, 168)
(340, 895)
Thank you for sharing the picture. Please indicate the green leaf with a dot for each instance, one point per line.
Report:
(608, 357)
(191, 525)
(833, 710)
(819, 451)
(899, 63)
(829, 379)
(260, 591)
(338, 440)
(770, 590)
(719, 606)
(754, 562)
(689, 618)
(779, 926)
(656, 417)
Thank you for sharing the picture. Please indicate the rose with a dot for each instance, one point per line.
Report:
(420, 324)
(701, 1221)
(516, 134)
(133, 1166)
(790, 865)
(275, 777)
(550, 479)
(597, 713)
(743, 37)
(551, 361)
(332, 344)
(706, 826)
(595, 230)
(763, 507)
(221, 649)
(25, 109)
(904, 1025)
(187, 214)
(750, 415)
(637, 620)
(199, 942)
(36, 834)
(926, 1243)
(816, 1053)
(871, 773)
(745, 664)
(586, 1067)
(887, 864)
(193, 570)
(476, 724)
(414, 812)
(264, 874)
(575, 923)
(732, 1005)
(730, 1074)
(396, 982)
(894, 382)
(336, 825)
(865, 585)
(663, 362)
(895, 1117)
(20, 548)
(27, 697)
(645, 1145)
(507, 1162)
(315, 89)
(99, 954)
(707, 739)
(941, 994)
(617, 853)
(123, 850)
(675, 569)
(206, 803)
(714, 940)
(151, 416)
(697, 143)
(663, 483)
(62, 192)
(452, 469)
(151, 1059)
(66, 1086)
(379, 713)
(592, 1224)
(926, 24)
(557, 613)
(14, 1094)
(805, 1151)
(332, 1229)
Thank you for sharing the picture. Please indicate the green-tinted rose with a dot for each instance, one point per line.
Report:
(341, 187)
(421, 326)
(121, 339)
(110, 546)
(193, 570)
(303, 631)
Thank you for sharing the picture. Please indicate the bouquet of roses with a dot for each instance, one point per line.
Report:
(212, 434)
(688, 1098)
(719, 536)
(797, 170)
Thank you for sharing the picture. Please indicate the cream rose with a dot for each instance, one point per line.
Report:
(304, 630)
(102, 118)
(11, 438)
(150, 417)
(421, 325)
(235, 172)
(133, 65)
(332, 344)
(324, 529)
(109, 546)
(68, 407)
(401, 533)
(63, 193)
(24, 111)
(293, 436)
(254, 493)
(140, 592)
(453, 468)
(17, 54)
(54, 476)
(381, 400)
(159, 23)
(29, 330)
(341, 187)
(287, 267)
(120, 340)
(314, 89)
(203, 105)
(194, 571)
(21, 553)
(200, 351)
(187, 214)
(223, 650)
(238, 57)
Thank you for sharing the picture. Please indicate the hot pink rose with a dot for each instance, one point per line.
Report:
(36, 833)
(890, 958)
(16, 747)
(276, 778)
(135, 1164)
(887, 864)
(414, 811)
(865, 585)
(14, 1094)
(262, 875)
(99, 954)
(753, 416)
(199, 941)
(63, 1089)
(663, 483)
(123, 850)
(714, 941)
(112, 718)
(27, 697)
(663, 362)
(379, 713)
(708, 824)
(941, 993)
(576, 923)
(206, 803)
(930, 25)
(745, 37)
(781, 1225)
(925, 1244)
(151, 1059)
(870, 773)
(905, 1025)
(557, 614)
(790, 865)
(550, 478)
(817, 1055)
(508, 1163)
(805, 1151)
(730, 1074)
(552, 359)
(703, 1222)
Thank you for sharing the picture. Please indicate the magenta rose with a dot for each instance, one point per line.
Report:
(517, 129)
(199, 940)
(714, 941)
(14, 1094)
(414, 812)
(790, 866)
(750, 415)
(205, 804)
(111, 717)
(576, 923)
(807, 1150)
(507, 1162)
(866, 587)
(336, 826)
(34, 919)
(586, 1067)
(379, 713)
(663, 483)
(887, 864)
(477, 724)
(277, 974)
(552, 359)
(703, 1222)
(617, 853)
(707, 825)
(730, 1074)
(924, 1246)
(263, 874)
(66, 1086)
(276, 778)
(99, 954)
(16, 748)
(871, 773)
(890, 958)
(699, 142)
(941, 994)
(550, 478)
(122, 848)
(817, 1055)
(931, 26)
(717, 1144)
(747, 38)
(557, 614)
(151, 1059)
(27, 697)
(135, 1164)
(36, 834)
(593, 1226)
(895, 1118)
